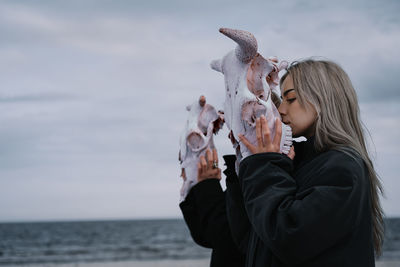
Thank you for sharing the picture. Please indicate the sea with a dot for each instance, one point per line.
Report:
(123, 240)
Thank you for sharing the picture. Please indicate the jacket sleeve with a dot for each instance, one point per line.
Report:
(211, 206)
(236, 213)
(299, 224)
(192, 219)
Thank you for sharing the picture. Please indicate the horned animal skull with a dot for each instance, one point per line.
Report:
(250, 81)
(203, 122)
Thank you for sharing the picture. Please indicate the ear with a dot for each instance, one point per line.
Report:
(216, 65)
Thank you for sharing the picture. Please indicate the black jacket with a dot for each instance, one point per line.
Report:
(313, 211)
(204, 211)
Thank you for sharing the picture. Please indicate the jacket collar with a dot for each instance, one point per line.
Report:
(304, 151)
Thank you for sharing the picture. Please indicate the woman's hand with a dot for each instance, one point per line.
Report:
(207, 168)
(264, 143)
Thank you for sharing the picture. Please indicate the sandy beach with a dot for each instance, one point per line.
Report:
(160, 263)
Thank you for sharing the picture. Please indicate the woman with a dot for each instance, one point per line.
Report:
(318, 206)
(204, 211)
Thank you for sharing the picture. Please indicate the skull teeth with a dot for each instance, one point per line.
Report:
(286, 139)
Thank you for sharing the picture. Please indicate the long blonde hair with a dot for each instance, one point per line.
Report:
(327, 87)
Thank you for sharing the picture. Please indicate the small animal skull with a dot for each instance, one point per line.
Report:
(203, 122)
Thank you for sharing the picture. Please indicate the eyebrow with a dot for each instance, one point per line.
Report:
(287, 91)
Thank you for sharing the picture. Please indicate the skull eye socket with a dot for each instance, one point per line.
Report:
(195, 141)
(276, 100)
(252, 110)
(208, 115)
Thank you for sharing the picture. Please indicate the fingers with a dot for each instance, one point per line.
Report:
(205, 168)
(265, 130)
(258, 133)
(203, 164)
(291, 153)
(278, 132)
(246, 142)
(215, 155)
(199, 172)
(218, 176)
(209, 157)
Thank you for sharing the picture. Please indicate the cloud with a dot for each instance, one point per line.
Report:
(35, 97)
(382, 120)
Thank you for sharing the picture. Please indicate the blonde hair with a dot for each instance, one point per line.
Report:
(327, 87)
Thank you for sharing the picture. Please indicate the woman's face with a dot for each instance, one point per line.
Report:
(300, 119)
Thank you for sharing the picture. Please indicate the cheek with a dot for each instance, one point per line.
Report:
(302, 122)
(301, 119)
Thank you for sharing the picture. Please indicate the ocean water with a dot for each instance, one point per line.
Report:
(97, 241)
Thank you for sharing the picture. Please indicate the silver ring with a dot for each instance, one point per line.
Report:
(215, 164)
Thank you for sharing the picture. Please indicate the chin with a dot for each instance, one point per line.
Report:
(295, 134)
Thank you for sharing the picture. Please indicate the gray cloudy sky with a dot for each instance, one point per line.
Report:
(93, 93)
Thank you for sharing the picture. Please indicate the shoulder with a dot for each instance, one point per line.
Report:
(343, 158)
(340, 166)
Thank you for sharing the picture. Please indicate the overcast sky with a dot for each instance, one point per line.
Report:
(93, 93)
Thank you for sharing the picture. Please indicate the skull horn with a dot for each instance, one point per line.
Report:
(202, 101)
(247, 43)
